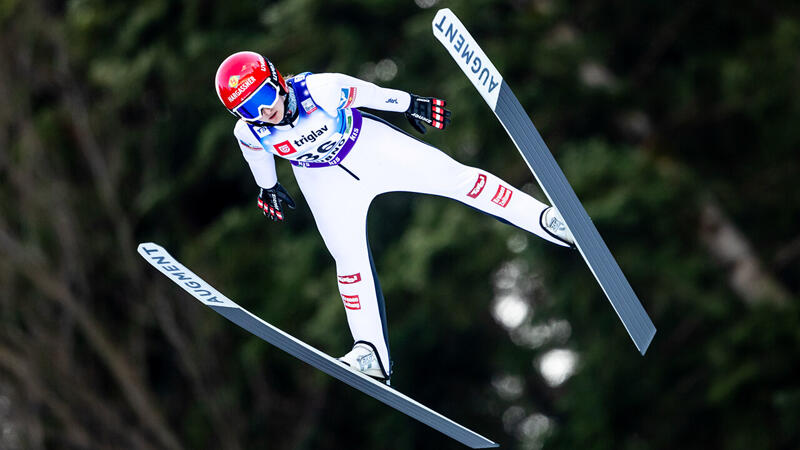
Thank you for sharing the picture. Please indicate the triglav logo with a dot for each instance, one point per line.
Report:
(284, 148)
(310, 137)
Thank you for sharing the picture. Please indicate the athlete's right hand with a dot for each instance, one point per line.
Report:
(269, 202)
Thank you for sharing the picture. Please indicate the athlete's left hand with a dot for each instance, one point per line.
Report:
(269, 201)
(428, 110)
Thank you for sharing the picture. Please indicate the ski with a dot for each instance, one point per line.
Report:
(206, 294)
(454, 36)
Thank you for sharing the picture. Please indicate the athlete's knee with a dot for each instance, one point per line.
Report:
(351, 261)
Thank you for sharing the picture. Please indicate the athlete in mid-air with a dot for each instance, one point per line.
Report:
(342, 159)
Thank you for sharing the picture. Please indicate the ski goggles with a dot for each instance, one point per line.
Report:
(264, 97)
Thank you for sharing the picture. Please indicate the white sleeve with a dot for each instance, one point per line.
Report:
(261, 162)
(332, 91)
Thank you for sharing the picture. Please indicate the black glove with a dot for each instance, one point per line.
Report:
(269, 201)
(427, 110)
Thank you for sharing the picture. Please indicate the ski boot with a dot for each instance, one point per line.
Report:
(554, 225)
(364, 358)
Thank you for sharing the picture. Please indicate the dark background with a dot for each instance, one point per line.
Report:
(676, 123)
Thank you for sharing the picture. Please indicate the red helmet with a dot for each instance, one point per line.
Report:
(247, 82)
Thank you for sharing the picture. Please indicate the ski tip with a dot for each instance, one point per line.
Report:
(440, 14)
(148, 244)
(146, 248)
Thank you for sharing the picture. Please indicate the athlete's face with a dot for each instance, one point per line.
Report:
(273, 115)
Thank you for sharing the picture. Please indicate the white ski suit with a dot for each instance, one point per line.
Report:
(372, 158)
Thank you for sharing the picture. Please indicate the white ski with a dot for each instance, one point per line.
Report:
(206, 294)
(487, 79)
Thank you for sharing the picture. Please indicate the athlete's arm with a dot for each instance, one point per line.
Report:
(261, 162)
(333, 91)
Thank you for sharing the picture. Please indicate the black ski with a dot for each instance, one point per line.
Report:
(206, 294)
(487, 79)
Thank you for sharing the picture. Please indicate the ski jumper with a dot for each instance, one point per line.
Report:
(343, 159)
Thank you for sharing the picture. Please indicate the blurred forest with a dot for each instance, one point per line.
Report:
(676, 122)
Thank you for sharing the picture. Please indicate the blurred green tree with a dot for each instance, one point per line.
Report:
(675, 124)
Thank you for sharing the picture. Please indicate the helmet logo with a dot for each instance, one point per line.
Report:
(249, 81)
(233, 81)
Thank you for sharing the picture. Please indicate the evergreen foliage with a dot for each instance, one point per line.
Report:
(675, 123)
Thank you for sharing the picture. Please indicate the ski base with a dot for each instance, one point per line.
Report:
(206, 294)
